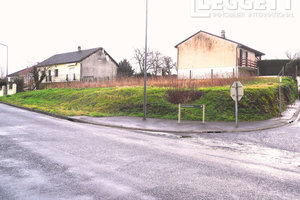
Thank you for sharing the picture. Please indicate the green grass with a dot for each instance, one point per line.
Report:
(260, 101)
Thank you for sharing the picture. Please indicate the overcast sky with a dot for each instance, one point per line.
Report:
(37, 29)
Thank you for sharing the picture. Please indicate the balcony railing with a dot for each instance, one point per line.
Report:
(247, 63)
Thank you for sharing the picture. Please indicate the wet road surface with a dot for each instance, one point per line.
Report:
(47, 158)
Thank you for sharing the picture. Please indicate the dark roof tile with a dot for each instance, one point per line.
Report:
(70, 57)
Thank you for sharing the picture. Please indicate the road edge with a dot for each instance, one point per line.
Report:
(280, 124)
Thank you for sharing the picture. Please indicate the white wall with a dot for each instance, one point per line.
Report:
(204, 73)
(98, 66)
(3, 91)
(13, 90)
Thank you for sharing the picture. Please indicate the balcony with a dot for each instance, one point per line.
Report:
(247, 63)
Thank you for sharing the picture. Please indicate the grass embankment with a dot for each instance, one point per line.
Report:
(260, 101)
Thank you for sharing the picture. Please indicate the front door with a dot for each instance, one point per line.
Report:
(71, 74)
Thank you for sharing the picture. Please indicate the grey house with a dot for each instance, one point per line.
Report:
(81, 65)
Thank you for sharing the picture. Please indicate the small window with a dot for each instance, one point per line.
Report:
(56, 73)
(43, 73)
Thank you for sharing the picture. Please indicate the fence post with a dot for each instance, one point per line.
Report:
(14, 88)
(179, 113)
(203, 117)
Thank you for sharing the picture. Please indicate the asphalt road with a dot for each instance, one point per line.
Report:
(47, 158)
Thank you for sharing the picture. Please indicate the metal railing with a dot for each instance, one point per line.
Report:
(247, 63)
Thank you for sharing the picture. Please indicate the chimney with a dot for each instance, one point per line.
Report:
(79, 48)
(223, 34)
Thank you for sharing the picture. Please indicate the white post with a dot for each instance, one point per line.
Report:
(179, 113)
(203, 117)
(14, 89)
(3, 91)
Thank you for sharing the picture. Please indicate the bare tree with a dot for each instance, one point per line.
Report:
(168, 65)
(139, 57)
(38, 76)
(290, 67)
(292, 56)
(157, 63)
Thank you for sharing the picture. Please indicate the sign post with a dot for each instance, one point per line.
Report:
(236, 93)
(279, 92)
(191, 106)
(236, 105)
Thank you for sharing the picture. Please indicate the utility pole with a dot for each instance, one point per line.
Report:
(145, 67)
(6, 57)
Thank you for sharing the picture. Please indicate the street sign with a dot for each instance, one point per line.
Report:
(240, 90)
(236, 93)
(191, 106)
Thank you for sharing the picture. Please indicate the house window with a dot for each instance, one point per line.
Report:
(49, 75)
(43, 74)
(56, 73)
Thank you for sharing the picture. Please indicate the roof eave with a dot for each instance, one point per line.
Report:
(255, 51)
(258, 53)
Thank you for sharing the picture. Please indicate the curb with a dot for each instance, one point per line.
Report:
(181, 133)
(38, 111)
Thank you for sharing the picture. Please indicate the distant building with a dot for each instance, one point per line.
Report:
(204, 53)
(24, 74)
(82, 65)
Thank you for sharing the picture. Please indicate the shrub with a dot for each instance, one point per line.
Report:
(20, 84)
(2, 82)
(181, 96)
